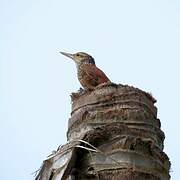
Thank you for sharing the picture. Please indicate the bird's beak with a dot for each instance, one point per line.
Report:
(68, 55)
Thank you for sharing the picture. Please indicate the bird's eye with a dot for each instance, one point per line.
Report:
(78, 55)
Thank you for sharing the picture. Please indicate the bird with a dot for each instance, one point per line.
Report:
(89, 75)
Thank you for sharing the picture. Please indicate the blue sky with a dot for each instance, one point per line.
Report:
(134, 42)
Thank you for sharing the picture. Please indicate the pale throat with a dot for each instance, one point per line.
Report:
(79, 66)
(86, 61)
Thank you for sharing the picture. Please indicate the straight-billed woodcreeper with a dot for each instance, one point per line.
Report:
(89, 75)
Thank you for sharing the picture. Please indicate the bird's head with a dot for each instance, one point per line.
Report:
(80, 57)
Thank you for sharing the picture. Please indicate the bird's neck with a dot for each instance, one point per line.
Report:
(80, 67)
(87, 61)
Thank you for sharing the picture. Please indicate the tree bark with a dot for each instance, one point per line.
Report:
(113, 134)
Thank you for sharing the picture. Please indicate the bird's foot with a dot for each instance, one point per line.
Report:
(87, 90)
(80, 92)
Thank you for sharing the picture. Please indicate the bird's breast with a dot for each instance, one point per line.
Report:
(90, 76)
(83, 70)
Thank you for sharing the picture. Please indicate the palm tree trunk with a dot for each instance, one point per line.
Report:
(116, 136)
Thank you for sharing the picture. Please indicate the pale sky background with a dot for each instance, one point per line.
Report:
(136, 42)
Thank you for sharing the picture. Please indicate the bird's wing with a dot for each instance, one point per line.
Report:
(95, 74)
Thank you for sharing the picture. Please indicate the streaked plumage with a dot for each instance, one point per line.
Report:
(89, 75)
